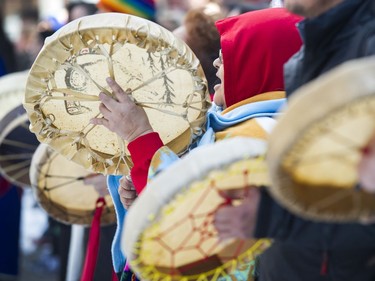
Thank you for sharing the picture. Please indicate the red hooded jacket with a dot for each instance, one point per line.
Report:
(255, 46)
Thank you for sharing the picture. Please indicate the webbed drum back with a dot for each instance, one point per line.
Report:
(169, 230)
(59, 188)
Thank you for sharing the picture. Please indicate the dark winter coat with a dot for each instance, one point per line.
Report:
(304, 250)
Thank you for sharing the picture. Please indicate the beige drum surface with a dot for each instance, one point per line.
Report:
(58, 186)
(12, 91)
(315, 148)
(169, 231)
(17, 143)
(163, 74)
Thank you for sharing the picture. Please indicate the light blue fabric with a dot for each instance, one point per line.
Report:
(118, 257)
(113, 183)
(167, 157)
(217, 122)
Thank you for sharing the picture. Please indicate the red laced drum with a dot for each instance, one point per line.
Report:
(169, 232)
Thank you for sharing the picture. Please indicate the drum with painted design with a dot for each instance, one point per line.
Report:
(161, 71)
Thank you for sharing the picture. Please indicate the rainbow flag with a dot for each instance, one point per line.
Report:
(140, 8)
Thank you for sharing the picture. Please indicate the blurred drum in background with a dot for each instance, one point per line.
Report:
(59, 188)
(17, 143)
(317, 144)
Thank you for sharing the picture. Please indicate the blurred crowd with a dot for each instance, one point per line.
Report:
(193, 21)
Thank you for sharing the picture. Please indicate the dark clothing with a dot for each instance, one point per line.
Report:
(10, 209)
(10, 196)
(7, 55)
(308, 251)
(305, 250)
(341, 34)
(3, 70)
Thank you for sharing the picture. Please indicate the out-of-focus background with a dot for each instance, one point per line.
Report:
(33, 245)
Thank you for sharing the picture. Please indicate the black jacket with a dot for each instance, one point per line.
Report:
(341, 34)
(304, 250)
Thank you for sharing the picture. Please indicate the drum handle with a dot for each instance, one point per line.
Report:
(93, 243)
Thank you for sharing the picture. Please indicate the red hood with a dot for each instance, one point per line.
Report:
(255, 46)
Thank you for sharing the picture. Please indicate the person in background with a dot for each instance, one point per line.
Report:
(29, 43)
(200, 34)
(171, 13)
(10, 195)
(237, 7)
(333, 32)
(7, 52)
(80, 9)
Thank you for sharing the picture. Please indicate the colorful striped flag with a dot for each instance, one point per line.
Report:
(140, 8)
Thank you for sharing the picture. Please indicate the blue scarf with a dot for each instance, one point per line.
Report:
(118, 257)
(216, 121)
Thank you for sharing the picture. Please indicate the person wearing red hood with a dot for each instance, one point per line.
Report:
(255, 45)
(254, 48)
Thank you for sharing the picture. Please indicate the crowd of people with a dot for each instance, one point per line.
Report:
(255, 56)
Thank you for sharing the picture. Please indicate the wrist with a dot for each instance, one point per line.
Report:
(139, 134)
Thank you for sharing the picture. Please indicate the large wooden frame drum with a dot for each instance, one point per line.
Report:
(315, 148)
(169, 232)
(163, 74)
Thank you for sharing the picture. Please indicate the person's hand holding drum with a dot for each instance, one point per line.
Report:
(127, 192)
(238, 221)
(366, 174)
(122, 116)
(366, 167)
(98, 181)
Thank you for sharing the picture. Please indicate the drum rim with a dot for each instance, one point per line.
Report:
(53, 208)
(347, 78)
(163, 188)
